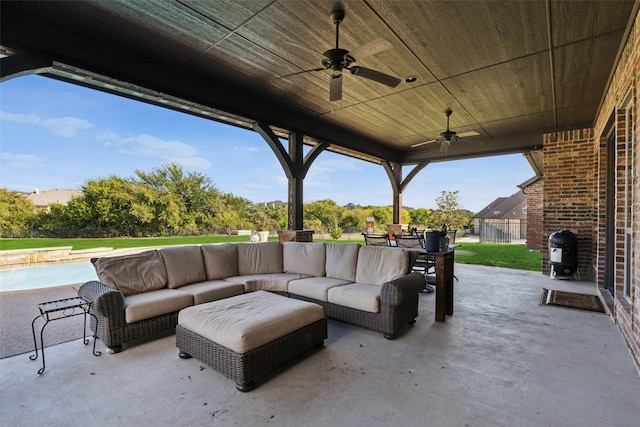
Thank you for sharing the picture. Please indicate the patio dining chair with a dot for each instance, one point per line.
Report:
(376, 239)
(423, 262)
(452, 243)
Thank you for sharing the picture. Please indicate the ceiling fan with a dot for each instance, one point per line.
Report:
(447, 136)
(338, 59)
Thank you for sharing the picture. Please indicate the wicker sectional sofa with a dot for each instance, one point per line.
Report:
(141, 294)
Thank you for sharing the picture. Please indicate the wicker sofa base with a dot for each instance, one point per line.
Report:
(245, 368)
(388, 321)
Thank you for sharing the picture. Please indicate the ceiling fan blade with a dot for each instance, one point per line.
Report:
(300, 72)
(376, 76)
(335, 88)
(444, 147)
(423, 143)
(470, 133)
(372, 48)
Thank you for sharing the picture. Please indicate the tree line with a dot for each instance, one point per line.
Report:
(171, 201)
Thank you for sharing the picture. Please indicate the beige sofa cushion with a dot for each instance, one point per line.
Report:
(341, 260)
(220, 261)
(184, 265)
(248, 321)
(315, 287)
(259, 258)
(304, 258)
(266, 282)
(132, 274)
(212, 290)
(378, 265)
(356, 295)
(154, 303)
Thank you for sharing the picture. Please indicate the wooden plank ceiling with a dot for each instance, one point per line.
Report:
(510, 71)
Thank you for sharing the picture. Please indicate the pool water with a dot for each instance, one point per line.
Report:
(46, 276)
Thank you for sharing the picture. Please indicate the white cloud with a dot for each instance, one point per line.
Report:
(64, 127)
(20, 161)
(32, 119)
(249, 149)
(334, 165)
(321, 172)
(153, 147)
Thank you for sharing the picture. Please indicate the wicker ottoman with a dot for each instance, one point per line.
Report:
(247, 335)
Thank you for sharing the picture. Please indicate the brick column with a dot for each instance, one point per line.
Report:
(570, 197)
(535, 230)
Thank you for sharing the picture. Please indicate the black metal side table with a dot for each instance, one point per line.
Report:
(65, 308)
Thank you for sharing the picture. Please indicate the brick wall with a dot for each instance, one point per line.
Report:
(535, 211)
(619, 96)
(570, 196)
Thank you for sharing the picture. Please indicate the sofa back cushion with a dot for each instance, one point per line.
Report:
(220, 261)
(341, 260)
(132, 274)
(304, 258)
(184, 265)
(259, 258)
(378, 265)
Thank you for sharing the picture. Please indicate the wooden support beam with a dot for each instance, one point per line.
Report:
(22, 64)
(295, 166)
(394, 172)
(281, 154)
(296, 183)
(312, 155)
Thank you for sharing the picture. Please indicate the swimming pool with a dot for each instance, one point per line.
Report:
(46, 276)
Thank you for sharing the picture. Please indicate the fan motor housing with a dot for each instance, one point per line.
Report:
(448, 135)
(335, 58)
(337, 16)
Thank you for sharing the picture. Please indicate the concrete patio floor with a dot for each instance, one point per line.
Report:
(501, 360)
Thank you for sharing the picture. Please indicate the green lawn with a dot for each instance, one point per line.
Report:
(500, 255)
(116, 243)
(508, 256)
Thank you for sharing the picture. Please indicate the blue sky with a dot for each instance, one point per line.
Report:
(58, 135)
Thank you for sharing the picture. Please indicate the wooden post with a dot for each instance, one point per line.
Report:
(444, 284)
(295, 166)
(398, 184)
(295, 202)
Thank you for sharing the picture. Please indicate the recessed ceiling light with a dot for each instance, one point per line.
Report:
(411, 79)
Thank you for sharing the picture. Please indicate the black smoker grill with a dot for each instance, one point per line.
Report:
(563, 254)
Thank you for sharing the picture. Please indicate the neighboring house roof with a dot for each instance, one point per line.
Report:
(489, 210)
(42, 199)
(528, 182)
(513, 206)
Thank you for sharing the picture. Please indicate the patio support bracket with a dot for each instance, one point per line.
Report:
(21, 64)
(398, 185)
(295, 166)
(278, 149)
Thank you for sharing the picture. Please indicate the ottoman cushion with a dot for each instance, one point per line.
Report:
(247, 321)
